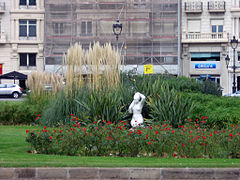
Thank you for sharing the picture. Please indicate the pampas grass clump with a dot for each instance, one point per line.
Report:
(37, 82)
(98, 67)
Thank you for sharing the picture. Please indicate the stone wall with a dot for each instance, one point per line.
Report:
(120, 173)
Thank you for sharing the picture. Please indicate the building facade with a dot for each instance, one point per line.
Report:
(149, 34)
(5, 32)
(22, 36)
(27, 35)
(206, 33)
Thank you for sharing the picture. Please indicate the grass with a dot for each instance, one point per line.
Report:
(13, 153)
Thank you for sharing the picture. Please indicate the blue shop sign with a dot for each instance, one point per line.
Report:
(205, 66)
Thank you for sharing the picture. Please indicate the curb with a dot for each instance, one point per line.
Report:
(120, 173)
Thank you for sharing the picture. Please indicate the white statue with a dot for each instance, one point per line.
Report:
(136, 108)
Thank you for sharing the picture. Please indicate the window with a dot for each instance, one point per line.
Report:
(194, 26)
(139, 3)
(27, 29)
(205, 56)
(58, 28)
(27, 4)
(27, 59)
(217, 29)
(3, 85)
(86, 28)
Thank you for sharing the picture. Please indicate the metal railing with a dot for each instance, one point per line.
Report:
(193, 6)
(216, 5)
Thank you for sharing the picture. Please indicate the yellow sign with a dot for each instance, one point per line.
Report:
(148, 69)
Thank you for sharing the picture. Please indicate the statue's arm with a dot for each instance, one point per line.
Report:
(130, 110)
(143, 98)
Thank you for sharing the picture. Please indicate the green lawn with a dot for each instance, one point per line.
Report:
(13, 153)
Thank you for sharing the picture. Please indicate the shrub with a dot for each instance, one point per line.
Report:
(106, 139)
(222, 111)
(168, 105)
(210, 87)
(18, 113)
(89, 105)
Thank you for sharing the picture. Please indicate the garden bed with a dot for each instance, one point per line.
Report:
(14, 152)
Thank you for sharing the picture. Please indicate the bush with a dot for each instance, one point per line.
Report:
(89, 105)
(14, 113)
(169, 105)
(106, 139)
(222, 111)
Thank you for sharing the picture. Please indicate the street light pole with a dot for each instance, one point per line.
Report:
(234, 44)
(234, 72)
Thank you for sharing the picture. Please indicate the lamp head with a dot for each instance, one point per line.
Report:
(227, 59)
(117, 28)
(234, 42)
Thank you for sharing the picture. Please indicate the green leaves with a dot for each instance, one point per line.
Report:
(106, 105)
(169, 105)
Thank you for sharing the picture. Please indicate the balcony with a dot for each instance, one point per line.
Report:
(216, 6)
(3, 38)
(205, 37)
(2, 7)
(193, 7)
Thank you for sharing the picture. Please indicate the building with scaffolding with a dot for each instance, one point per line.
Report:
(149, 35)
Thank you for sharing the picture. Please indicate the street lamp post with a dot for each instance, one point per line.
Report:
(234, 44)
(117, 29)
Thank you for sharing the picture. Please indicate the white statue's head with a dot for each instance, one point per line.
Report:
(136, 97)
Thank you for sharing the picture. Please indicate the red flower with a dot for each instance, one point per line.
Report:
(175, 147)
(190, 132)
(55, 131)
(230, 135)
(139, 131)
(155, 154)
(71, 114)
(94, 122)
(37, 118)
(45, 130)
(39, 115)
(85, 133)
(60, 132)
(224, 131)
(211, 135)
(203, 144)
(157, 132)
(44, 127)
(150, 127)
(27, 131)
(183, 145)
(173, 131)
(174, 154)
(50, 137)
(149, 143)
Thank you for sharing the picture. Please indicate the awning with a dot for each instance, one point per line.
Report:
(14, 75)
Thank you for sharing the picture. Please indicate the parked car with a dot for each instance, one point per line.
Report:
(10, 90)
(236, 94)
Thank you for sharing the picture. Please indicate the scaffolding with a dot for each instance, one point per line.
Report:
(149, 33)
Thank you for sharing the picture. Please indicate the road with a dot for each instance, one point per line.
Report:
(12, 99)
